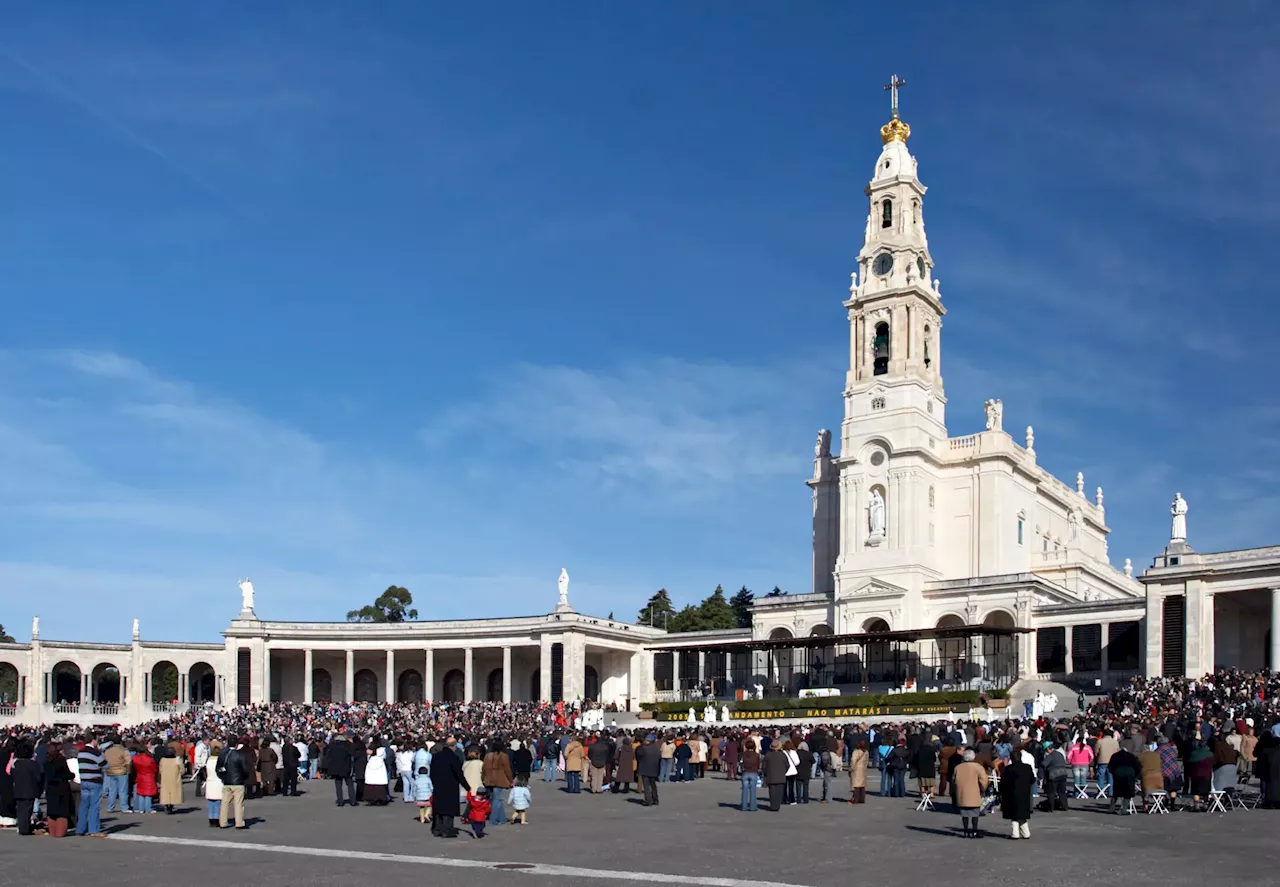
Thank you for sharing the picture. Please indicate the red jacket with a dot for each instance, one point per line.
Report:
(145, 769)
(478, 808)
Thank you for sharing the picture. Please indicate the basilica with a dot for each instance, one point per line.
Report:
(939, 562)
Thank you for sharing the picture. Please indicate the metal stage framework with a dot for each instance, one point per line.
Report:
(956, 657)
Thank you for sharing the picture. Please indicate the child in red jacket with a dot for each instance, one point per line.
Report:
(478, 810)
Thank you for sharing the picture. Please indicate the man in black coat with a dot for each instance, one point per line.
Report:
(648, 763)
(446, 781)
(776, 765)
(338, 761)
(289, 759)
(1015, 794)
(28, 784)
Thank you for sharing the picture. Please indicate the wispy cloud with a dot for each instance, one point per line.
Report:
(668, 422)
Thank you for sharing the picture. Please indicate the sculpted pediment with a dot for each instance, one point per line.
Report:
(873, 588)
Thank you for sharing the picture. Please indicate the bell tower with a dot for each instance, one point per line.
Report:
(895, 306)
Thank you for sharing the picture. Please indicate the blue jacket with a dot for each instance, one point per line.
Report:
(422, 787)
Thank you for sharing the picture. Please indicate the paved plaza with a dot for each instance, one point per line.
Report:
(695, 837)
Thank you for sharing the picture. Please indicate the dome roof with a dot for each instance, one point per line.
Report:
(895, 160)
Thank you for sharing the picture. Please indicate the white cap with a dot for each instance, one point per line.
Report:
(1249, 721)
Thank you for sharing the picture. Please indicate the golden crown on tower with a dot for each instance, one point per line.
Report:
(895, 130)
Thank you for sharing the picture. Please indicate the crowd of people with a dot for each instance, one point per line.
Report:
(1181, 740)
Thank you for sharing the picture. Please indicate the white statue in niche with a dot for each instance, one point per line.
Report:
(1179, 511)
(1073, 523)
(995, 414)
(875, 511)
(246, 594)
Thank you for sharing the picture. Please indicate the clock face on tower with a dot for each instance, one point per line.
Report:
(883, 264)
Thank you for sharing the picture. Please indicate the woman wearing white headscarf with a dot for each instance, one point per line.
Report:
(375, 778)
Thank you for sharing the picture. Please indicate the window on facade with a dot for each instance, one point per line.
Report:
(886, 214)
(1020, 523)
(1045, 549)
(927, 359)
(931, 498)
(880, 349)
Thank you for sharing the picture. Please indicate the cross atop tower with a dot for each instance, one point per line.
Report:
(895, 82)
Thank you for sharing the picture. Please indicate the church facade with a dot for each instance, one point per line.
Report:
(919, 536)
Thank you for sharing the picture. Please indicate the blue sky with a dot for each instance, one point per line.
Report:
(337, 295)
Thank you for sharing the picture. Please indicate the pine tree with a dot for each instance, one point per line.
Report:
(658, 610)
(777, 592)
(688, 619)
(741, 604)
(716, 613)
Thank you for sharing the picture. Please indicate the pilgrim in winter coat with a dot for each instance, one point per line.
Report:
(626, 762)
(1015, 790)
(170, 781)
(447, 780)
(971, 782)
(858, 768)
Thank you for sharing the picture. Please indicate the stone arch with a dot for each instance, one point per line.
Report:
(366, 684)
(951, 657)
(66, 682)
(202, 684)
(105, 681)
(879, 664)
(9, 683)
(1000, 652)
(164, 682)
(454, 685)
(822, 660)
(493, 686)
(409, 686)
(321, 685)
(590, 684)
(781, 663)
(880, 349)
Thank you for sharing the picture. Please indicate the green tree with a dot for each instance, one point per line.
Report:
(716, 613)
(393, 605)
(5, 637)
(688, 619)
(164, 683)
(658, 610)
(777, 592)
(741, 604)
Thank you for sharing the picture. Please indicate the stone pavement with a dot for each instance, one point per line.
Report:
(696, 837)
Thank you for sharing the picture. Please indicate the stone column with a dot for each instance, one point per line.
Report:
(728, 672)
(429, 676)
(266, 673)
(1106, 629)
(349, 691)
(544, 668)
(1153, 635)
(675, 670)
(307, 668)
(466, 674)
(1275, 629)
(506, 674)
(391, 676)
(1070, 666)
(702, 666)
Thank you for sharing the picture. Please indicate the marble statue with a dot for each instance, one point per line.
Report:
(724, 713)
(563, 582)
(693, 718)
(822, 449)
(1179, 512)
(876, 513)
(995, 414)
(1128, 567)
(135, 630)
(1073, 524)
(35, 628)
(246, 594)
